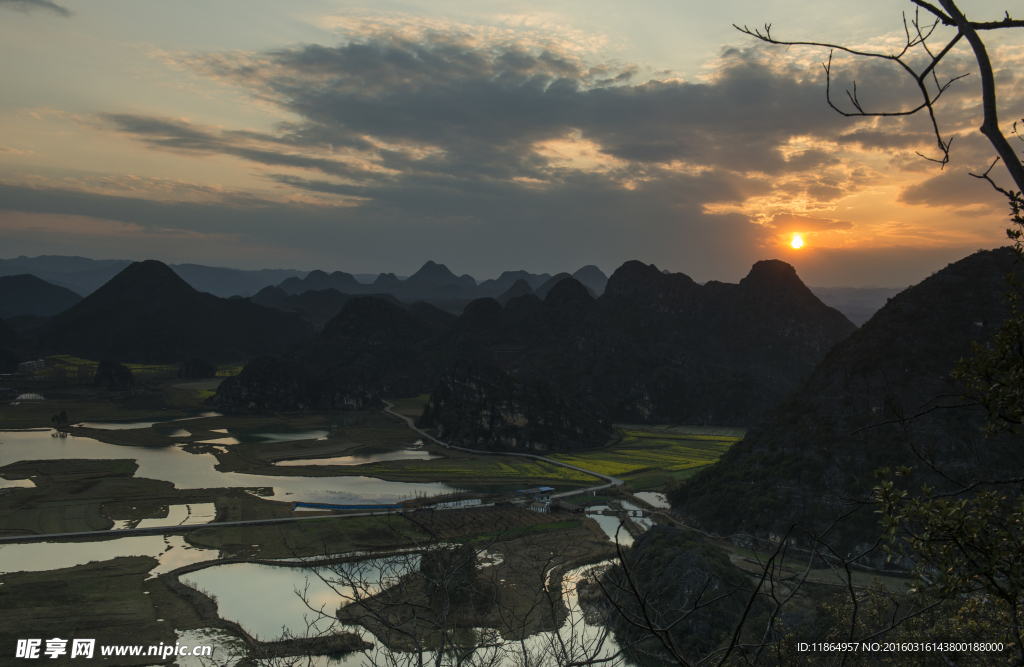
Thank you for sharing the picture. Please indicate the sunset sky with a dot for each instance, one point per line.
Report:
(488, 136)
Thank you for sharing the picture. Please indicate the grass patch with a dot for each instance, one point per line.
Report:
(332, 535)
(411, 407)
(491, 469)
(112, 602)
(65, 369)
(516, 532)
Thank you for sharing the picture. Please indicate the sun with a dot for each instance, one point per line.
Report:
(798, 242)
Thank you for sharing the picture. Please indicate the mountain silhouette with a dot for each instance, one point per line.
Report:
(372, 348)
(26, 294)
(593, 278)
(320, 280)
(148, 314)
(878, 395)
(520, 288)
(652, 348)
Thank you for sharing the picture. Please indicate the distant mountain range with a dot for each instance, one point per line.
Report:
(13, 349)
(316, 306)
(29, 295)
(84, 276)
(148, 314)
(553, 373)
(433, 283)
(857, 303)
(875, 398)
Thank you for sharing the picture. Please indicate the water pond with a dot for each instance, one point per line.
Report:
(653, 499)
(276, 433)
(266, 600)
(121, 426)
(171, 550)
(197, 471)
(367, 455)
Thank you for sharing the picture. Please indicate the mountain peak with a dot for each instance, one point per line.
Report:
(519, 288)
(592, 277)
(772, 274)
(151, 276)
(149, 314)
(386, 279)
(431, 272)
(569, 294)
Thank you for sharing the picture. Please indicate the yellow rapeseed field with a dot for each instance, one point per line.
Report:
(643, 450)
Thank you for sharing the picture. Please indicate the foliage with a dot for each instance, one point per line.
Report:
(112, 375)
(676, 596)
(197, 369)
(961, 545)
(892, 619)
(971, 543)
(994, 375)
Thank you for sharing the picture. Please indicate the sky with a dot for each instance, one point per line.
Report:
(488, 136)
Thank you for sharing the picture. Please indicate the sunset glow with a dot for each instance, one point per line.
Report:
(162, 146)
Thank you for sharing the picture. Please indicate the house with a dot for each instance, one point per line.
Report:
(540, 494)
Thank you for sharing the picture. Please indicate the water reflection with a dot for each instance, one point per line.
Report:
(653, 499)
(275, 433)
(265, 600)
(16, 483)
(171, 432)
(197, 471)
(182, 515)
(121, 426)
(365, 455)
(171, 550)
(613, 528)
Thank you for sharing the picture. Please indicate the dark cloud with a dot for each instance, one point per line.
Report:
(31, 5)
(885, 140)
(478, 112)
(955, 189)
(481, 156)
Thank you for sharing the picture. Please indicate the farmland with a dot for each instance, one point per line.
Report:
(651, 458)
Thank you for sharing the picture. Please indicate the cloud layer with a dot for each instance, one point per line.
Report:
(437, 143)
(32, 5)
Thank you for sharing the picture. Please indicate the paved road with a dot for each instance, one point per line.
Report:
(162, 530)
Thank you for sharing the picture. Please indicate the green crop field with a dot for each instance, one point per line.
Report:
(68, 369)
(650, 458)
(471, 468)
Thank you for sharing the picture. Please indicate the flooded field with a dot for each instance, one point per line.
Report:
(269, 600)
(262, 598)
(653, 499)
(367, 455)
(122, 426)
(172, 551)
(198, 471)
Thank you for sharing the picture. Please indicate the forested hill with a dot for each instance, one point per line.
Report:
(654, 347)
(820, 447)
(148, 314)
